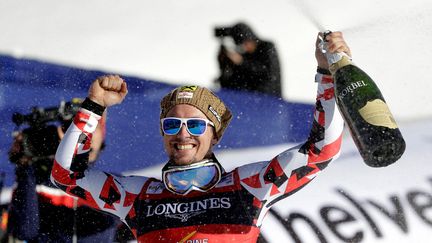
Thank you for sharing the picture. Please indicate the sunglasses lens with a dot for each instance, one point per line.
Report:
(171, 126)
(196, 126)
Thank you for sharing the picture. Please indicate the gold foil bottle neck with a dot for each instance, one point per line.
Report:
(344, 61)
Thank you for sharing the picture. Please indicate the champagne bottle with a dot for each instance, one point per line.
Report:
(370, 122)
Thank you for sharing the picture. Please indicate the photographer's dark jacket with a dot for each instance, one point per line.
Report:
(40, 212)
(232, 211)
(259, 71)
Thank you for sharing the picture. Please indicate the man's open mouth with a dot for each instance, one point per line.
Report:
(184, 146)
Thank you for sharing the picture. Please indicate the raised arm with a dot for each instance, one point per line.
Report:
(100, 190)
(288, 172)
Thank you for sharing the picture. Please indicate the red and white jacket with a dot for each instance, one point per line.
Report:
(230, 212)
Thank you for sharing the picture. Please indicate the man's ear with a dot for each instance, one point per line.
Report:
(214, 141)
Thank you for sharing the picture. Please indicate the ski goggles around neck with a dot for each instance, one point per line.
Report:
(195, 126)
(201, 176)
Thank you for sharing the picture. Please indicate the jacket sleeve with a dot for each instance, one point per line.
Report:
(100, 190)
(291, 170)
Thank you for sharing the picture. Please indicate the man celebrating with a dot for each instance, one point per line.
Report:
(196, 200)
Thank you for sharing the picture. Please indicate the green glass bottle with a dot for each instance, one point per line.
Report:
(370, 122)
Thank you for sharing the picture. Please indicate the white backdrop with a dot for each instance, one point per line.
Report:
(173, 41)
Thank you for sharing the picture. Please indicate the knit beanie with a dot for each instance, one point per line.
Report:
(204, 100)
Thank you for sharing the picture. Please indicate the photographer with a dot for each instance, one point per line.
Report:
(253, 65)
(39, 211)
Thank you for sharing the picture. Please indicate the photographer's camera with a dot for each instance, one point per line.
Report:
(37, 143)
(222, 31)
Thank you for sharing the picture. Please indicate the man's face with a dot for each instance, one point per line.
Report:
(249, 46)
(183, 148)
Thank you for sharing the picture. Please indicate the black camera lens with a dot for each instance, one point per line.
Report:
(222, 31)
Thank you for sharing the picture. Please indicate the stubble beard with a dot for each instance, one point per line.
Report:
(194, 159)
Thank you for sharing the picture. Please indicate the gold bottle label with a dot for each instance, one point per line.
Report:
(377, 113)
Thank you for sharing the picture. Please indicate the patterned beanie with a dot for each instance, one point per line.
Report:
(204, 100)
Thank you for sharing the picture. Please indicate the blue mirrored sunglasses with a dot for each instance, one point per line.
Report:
(195, 126)
(199, 177)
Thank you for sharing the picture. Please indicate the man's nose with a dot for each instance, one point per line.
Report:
(183, 131)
